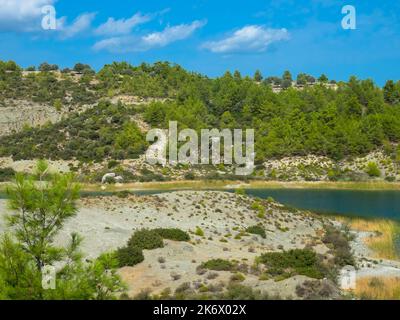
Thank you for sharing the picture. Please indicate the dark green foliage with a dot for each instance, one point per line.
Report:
(38, 213)
(6, 174)
(353, 120)
(391, 92)
(146, 239)
(218, 265)
(48, 67)
(129, 256)
(257, 230)
(83, 68)
(286, 264)
(190, 176)
(132, 254)
(101, 132)
(173, 234)
(373, 170)
(148, 176)
(112, 164)
(44, 87)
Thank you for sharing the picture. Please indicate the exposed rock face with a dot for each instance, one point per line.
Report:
(19, 113)
(22, 113)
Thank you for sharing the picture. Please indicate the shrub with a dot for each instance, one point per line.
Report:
(112, 164)
(183, 288)
(146, 239)
(240, 191)
(257, 230)
(339, 242)
(199, 232)
(317, 290)
(129, 256)
(270, 200)
(6, 174)
(218, 265)
(190, 176)
(240, 292)
(373, 170)
(239, 277)
(292, 262)
(173, 234)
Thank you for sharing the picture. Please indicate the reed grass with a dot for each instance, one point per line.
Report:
(378, 288)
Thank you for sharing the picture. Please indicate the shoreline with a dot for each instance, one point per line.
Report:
(222, 184)
(234, 184)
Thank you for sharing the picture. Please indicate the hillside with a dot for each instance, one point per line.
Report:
(338, 124)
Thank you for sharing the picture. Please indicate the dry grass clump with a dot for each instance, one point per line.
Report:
(383, 242)
(374, 288)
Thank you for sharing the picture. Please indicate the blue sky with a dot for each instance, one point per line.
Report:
(209, 36)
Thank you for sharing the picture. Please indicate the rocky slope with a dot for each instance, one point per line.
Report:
(18, 114)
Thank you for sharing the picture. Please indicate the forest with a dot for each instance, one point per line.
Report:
(353, 119)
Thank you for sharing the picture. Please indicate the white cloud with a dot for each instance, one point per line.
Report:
(80, 24)
(122, 26)
(172, 34)
(253, 38)
(149, 41)
(22, 15)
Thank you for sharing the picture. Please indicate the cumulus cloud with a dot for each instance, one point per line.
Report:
(22, 15)
(172, 34)
(122, 26)
(81, 23)
(253, 38)
(151, 40)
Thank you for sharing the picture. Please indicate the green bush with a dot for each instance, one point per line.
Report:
(173, 234)
(6, 174)
(112, 164)
(257, 230)
(199, 232)
(218, 265)
(129, 256)
(190, 176)
(240, 191)
(146, 239)
(237, 291)
(292, 262)
(373, 170)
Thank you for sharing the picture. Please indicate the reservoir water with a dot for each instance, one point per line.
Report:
(370, 204)
(357, 203)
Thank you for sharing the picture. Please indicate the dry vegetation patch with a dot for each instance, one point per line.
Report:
(378, 288)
